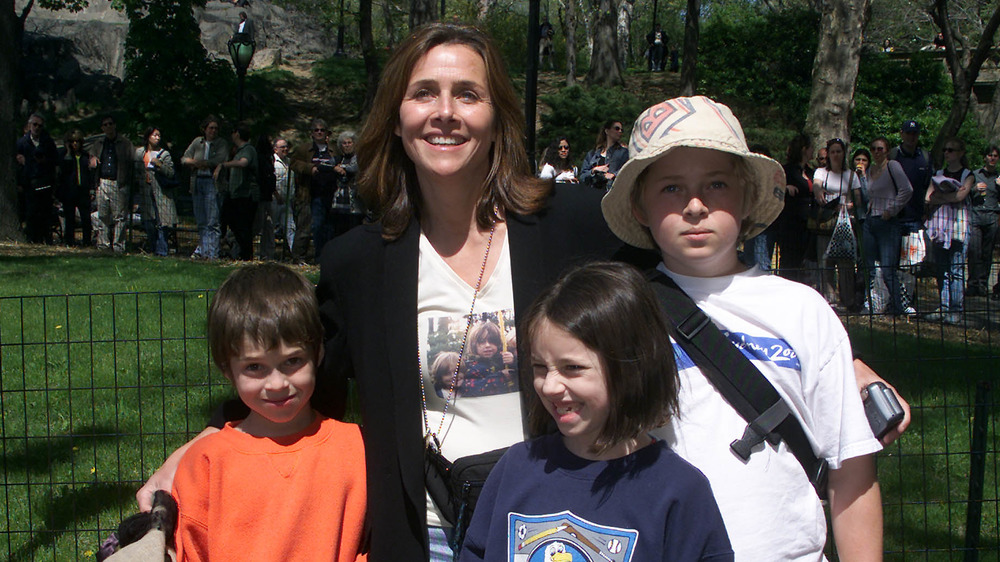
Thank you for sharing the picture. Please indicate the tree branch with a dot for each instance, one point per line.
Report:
(986, 40)
(24, 13)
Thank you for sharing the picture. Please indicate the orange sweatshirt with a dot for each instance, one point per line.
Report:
(298, 497)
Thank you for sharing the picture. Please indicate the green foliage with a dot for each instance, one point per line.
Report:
(892, 90)
(509, 28)
(267, 106)
(736, 63)
(170, 81)
(578, 113)
(70, 5)
(345, 75)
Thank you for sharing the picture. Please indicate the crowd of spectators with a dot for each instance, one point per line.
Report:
(244, 193)
(908, 218)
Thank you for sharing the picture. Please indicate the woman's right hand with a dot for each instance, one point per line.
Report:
(602, 168)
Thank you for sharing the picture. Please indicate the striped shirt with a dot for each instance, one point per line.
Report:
(949, 221)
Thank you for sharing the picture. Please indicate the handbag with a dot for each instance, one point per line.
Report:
(843, 243)
(455, 487)
(822, 216)
(913, 249)
(164, 181)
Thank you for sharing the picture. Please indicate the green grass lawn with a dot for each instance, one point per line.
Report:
(925, 476)
(104, 370)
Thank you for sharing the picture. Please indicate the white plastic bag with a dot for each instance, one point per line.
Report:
(878, 300)
(913, 250)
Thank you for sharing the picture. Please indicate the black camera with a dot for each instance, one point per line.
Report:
(882, 408)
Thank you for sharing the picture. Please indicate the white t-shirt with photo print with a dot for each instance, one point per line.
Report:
(482, 417)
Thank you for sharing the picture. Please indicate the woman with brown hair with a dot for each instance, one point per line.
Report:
(466, 235)
(601, 165)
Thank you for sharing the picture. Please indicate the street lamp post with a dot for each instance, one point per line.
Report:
(241, 50)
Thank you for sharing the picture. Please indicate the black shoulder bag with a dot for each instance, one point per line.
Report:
(742, 385)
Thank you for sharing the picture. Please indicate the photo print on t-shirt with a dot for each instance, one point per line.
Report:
(489, 364)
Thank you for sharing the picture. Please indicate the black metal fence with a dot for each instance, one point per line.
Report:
(96, 390)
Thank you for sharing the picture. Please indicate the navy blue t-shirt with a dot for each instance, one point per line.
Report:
(541, 502)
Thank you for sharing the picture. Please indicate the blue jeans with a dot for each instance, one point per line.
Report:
(440, 538)
(322, 223)
(950, 267)
(206, 214)
(881, 240)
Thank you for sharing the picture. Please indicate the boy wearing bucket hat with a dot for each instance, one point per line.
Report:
(692, 190)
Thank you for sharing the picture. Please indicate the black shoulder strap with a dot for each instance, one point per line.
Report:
(740, 383)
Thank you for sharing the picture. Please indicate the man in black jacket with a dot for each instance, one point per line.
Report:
(36, 159)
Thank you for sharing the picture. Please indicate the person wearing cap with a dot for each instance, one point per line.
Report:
(692, 190)
(916, 163)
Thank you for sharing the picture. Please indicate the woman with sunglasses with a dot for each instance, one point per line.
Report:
(888, 192)
(948, 228)
(76, 180)
(831, 184)
(557, 164)
(601, 165)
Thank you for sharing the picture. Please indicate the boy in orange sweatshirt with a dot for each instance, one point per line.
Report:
(286, 483)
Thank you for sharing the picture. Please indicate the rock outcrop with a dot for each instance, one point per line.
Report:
(70, 56)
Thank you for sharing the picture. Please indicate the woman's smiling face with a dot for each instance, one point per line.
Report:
(446, 118)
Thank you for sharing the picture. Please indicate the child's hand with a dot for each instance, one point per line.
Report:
(865, 376)
(508, 357)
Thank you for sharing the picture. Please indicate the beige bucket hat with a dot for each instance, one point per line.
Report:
(693, 122)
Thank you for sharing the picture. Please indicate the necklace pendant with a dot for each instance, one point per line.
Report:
(431, 443)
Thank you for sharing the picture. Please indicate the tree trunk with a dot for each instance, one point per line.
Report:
(588, 23)
(624, 32)
(421, 12)
(389, 22)
(835, 69)
(689, 78)
(11, 31)
(569, 32)
(368, 53)
(605, 66)
(964, 71)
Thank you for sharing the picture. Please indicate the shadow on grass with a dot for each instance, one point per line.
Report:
(56, 449)
(74, 505)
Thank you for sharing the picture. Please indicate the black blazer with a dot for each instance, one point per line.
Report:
(368, 302)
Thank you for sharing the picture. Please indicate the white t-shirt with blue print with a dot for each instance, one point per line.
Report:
(794, 338)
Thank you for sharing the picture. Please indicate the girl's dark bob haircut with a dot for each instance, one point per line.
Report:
(611, 309)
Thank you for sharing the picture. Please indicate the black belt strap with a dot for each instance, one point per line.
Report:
(743, 386)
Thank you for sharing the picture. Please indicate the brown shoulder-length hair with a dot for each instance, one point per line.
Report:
(611, 309)
(602, 135)
(387, 179)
